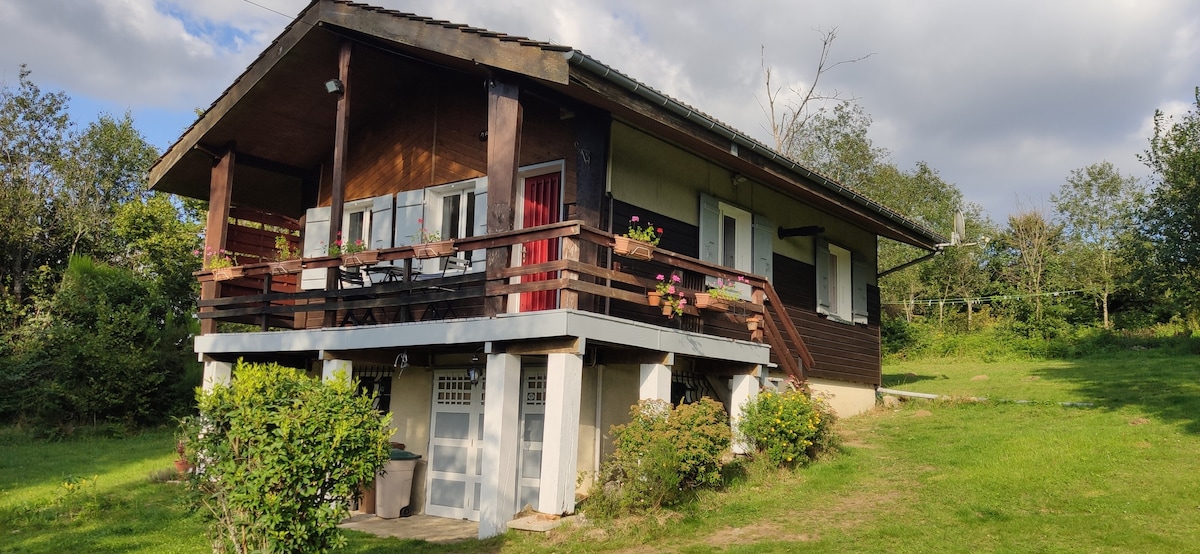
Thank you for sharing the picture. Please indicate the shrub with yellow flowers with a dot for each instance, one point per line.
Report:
(788, 428)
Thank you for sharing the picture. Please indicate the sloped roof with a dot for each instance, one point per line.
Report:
(559, 66)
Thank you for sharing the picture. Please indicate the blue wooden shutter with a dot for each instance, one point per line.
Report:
(763, 246)
(821, 249)
(410, 211)
(710, 229)
(316, 235)
(381, 236)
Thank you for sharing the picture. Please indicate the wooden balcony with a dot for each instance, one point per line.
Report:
(587, 277)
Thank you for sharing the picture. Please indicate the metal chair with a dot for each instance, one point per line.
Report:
(352, 278)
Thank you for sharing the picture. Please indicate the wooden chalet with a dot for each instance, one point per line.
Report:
(526, 160)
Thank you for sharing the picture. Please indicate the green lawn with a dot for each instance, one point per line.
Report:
(946, 476)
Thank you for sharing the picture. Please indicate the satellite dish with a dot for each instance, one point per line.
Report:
(960, 229)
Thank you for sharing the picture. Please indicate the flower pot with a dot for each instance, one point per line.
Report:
(706, 301)
(227, 273)
(753, 322)
(285, 267)
(182, 466)
(633, 249)
(668, 310)
(367, 257)
(433, 249)
(654, 297)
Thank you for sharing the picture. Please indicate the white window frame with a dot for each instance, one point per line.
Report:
(348, 211)
(743, 244)
(435, 198)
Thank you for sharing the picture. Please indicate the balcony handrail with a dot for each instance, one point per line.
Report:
(765, 299)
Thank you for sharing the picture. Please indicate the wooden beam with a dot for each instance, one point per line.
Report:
(503, 152)
(338, 185)
(216, 230)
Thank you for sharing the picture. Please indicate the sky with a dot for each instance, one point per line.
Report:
(1004, 98)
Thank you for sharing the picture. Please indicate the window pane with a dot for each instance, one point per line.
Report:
(450, 217)
(355, 232)
(728, 241)
(469, 230)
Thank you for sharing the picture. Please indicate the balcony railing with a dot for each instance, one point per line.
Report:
(587, 276)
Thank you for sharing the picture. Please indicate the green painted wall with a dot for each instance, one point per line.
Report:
(659, 176)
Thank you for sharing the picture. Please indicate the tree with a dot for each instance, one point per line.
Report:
(279, 455)
(1035, 242)
(104, 348)
(1095, 207)
(34, 126)
(1171, 226)
(790, 117)
(105, 168)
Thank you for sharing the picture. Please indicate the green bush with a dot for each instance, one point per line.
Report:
(660, 455)
(787, 428)
(103, 349)
(279, 456)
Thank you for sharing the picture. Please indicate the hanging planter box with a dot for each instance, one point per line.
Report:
(227, 273)
(433, 249)
(285, 267)
(705, 301)
(654, 297)
(368, 257)
(633, 249)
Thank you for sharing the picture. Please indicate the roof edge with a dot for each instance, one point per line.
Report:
(594, 66)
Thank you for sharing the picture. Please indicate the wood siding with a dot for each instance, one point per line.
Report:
(431, 136)
(841, 351)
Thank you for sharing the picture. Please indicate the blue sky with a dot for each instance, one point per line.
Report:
(1003, 98)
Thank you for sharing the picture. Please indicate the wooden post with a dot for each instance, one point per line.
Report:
(504, 151)
(216, 230)
(338, 186)
(569, 299)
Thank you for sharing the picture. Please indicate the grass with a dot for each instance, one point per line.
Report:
(926, 476)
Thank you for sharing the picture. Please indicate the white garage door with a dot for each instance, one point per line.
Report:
(455, 466)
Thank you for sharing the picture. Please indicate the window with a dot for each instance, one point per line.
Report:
(356, 222)
(841, 283)
(733, 237)
(453, 211)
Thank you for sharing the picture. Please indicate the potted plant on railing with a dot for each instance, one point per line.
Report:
(223, 264)
(718, 297)
(287, 260)
(429, 244)
(638, 243)
(667, 295)
(354, 253)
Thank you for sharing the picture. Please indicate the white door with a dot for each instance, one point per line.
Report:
(455, 447)
(533, 418)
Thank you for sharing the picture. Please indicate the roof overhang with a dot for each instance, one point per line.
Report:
(279, 118)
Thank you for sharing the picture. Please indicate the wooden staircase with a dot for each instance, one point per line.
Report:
(777, 333)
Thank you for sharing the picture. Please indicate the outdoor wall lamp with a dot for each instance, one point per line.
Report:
(473, 372)
(334, 86)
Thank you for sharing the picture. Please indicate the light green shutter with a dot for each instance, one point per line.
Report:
(763, 246)
(822, 264)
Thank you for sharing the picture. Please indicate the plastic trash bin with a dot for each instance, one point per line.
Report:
(393, 488)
